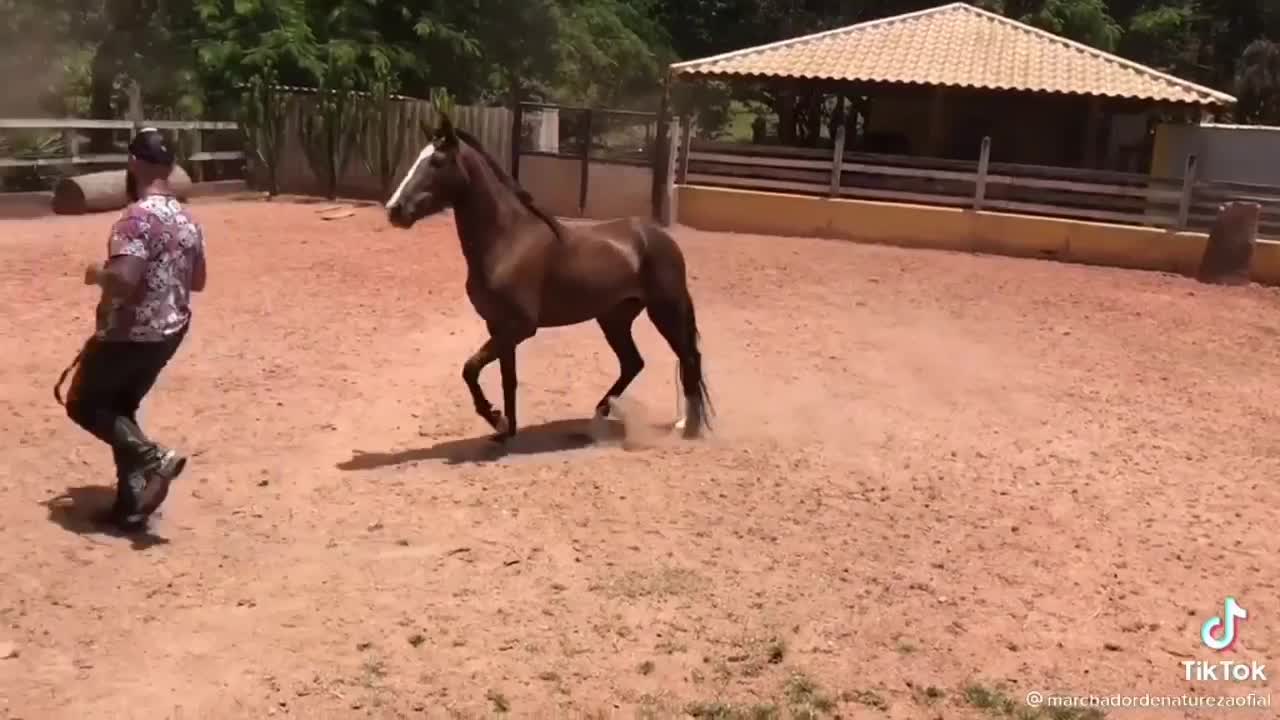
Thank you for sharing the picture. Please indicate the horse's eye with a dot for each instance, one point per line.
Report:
(437, 160)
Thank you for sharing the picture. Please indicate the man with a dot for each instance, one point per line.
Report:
(155, 259)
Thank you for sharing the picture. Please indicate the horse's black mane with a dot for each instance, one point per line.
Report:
(525, 198)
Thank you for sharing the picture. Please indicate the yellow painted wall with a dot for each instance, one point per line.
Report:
(922, 226)
(1265, 267)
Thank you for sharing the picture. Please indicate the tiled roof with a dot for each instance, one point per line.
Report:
(956, 45)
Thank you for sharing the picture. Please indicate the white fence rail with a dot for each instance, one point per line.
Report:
(66, 136)
(1104, 196)
(72, 140)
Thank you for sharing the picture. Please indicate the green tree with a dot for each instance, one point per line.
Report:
(245, 40)
(1163, 37)
(1086, 21)
(522, 51)
(612, 52)
(1258, 83)
(196, 57)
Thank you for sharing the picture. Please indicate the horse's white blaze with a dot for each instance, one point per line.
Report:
(426, 153)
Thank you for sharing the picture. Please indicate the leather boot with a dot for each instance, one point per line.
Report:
(168, 467)
(124, 511)
(138, 453)
(137, 459)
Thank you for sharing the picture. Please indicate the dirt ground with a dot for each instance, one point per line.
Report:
(937, 482)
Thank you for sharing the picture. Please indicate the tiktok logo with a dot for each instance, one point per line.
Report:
(1227, 622)
(1223, 670)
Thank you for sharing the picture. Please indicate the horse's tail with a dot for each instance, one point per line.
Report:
(696, 384)
(57, 387)
(671, 309)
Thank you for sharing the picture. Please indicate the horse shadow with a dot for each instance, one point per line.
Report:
(550, 437)
(83, 510)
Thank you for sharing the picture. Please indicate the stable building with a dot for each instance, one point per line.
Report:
(933, 83)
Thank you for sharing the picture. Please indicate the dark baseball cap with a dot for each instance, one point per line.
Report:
(150, 146)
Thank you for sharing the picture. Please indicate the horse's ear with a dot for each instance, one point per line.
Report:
(446, 129)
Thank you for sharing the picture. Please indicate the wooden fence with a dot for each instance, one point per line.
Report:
(490, 125)
(216, 149)
(1116, 197)
(64, 156)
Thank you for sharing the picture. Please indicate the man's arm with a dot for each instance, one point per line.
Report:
(127, 255)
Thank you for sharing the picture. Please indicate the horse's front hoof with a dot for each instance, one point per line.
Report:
(609, 411)
(499, 422)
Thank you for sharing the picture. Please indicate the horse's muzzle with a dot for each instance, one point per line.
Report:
(399, 216)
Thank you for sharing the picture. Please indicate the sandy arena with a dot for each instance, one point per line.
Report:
(936, 483)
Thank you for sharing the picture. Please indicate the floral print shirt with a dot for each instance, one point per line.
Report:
(158, 230)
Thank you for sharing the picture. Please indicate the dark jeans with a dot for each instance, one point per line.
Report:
(109, 385)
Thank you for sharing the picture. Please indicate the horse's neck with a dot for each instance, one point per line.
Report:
(486, 215)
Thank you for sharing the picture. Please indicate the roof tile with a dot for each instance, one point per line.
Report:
(956, 45)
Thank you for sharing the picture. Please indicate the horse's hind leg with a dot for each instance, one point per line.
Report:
(616, 325)
(677, 326)
(471, 376)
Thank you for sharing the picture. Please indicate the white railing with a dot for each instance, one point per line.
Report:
(1104, 196)
(73, 139)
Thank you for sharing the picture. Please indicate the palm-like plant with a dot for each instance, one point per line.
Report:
(442, 101)
(32, 146)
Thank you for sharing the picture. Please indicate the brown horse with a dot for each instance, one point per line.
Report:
(525, 271)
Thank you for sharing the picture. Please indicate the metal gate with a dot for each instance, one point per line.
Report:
(585, 162)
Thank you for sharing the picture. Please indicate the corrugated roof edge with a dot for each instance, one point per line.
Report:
(1212, 94)
(907, 83)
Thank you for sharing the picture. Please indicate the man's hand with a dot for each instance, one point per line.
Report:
(119, 278)
(92, 272)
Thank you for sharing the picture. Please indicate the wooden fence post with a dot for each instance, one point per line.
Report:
(71, 139)
(980, 182)
(197, 147)
(657, 189)
(1188, 192)
(837, 162)
(517, 136)
(1229, 250)
(686, 144)
(585, 176)
(668, 212)
(135, 105)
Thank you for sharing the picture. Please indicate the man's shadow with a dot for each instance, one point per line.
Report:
(555, 436)
(83, 511)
